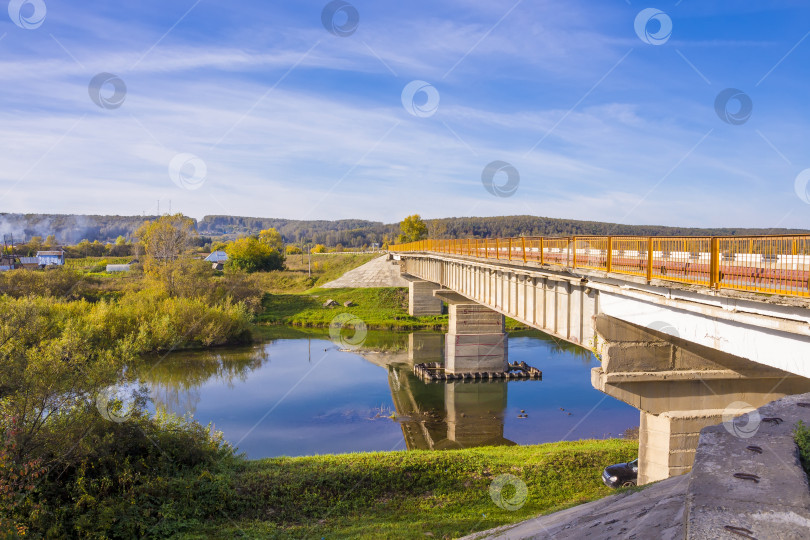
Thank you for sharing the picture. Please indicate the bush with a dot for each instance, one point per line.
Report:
(59, 282)
(801, 434)
(17, 481)
(145, 477)
(252, 255)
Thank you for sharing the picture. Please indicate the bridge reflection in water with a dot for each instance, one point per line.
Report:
(445, 415)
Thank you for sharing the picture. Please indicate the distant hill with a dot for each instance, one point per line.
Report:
(70, 229)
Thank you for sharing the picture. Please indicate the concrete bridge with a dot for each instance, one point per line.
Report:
(681, 350)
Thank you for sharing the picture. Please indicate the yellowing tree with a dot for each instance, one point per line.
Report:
(319, 248)
(252, 255)
(166, 238)
(413, 229)
(272, 238)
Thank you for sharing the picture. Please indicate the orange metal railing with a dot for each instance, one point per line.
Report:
(766, 264)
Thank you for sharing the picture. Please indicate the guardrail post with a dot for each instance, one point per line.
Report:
(486, 248)
(523, 241)
(714, 265)
(510, 249)
(542, 257)
(649, 259)
(610, 254)
(574, 252)
(497, 250)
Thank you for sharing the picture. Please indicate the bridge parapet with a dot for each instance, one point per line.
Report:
(768, 264)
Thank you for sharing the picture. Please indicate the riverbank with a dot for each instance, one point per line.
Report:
(413, 494)
(384, 308)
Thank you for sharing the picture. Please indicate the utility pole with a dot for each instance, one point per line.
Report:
(310, 261)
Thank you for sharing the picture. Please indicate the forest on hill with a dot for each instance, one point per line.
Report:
(73, 228)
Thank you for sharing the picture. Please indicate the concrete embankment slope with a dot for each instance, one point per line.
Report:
(746, 482)
(377, 273)
(655, 512)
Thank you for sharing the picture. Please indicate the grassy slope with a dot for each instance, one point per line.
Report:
(408, 494)
(325, 268)
(378, 308)
(381, 308)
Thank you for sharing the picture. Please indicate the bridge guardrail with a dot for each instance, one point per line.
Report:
(766, 264)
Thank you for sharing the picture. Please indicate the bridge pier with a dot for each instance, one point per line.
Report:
(679, 387)
(667, 442)
(476, 341)
(421, 301)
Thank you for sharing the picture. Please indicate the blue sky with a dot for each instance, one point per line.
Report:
(257, 109)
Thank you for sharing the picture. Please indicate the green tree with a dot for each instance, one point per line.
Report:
(251, 255)
(120, 241)
(413, 229)
(50, 240)
(35, 244)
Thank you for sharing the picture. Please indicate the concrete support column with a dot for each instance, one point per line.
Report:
(476, 341)
(421, 301)
(667, 442)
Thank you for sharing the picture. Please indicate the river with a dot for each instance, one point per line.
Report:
(299, 394)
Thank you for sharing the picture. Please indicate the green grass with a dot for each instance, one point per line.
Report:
(95, 264)
(378, 308)
(408, 494)
(381, 308)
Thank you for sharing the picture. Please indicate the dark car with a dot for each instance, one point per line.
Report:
(621, 474)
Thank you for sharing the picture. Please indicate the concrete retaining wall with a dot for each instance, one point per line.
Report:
(774, 504)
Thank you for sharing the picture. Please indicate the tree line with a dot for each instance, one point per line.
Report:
(96, 233)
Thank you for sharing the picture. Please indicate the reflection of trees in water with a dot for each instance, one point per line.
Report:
(376, 340)
(557, 345)
(175, 380)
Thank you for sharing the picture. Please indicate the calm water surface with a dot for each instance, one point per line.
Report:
(304, 396)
